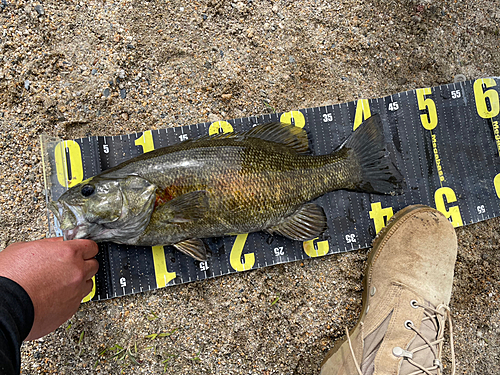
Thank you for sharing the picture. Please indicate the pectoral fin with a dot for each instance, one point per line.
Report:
(185, 208)
(304, 225)
(193, 247)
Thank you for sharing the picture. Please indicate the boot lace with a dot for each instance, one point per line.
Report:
(438, 314)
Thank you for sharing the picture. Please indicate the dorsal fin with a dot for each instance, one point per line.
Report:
(278, 132)
(286, 134)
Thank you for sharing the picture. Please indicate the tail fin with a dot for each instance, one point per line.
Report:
(378, 173)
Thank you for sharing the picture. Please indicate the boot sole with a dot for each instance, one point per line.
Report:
(396, 219)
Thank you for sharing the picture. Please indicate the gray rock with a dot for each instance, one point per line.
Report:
(27, 84)
(106, 92)
(39, 9)
(123, 93)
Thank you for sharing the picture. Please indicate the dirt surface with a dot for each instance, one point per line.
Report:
(77, 68)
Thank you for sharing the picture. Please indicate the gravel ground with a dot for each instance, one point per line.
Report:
(77, 68)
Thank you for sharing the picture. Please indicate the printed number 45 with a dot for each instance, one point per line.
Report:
(393, 106)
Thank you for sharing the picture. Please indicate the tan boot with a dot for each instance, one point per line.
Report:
(407, 289)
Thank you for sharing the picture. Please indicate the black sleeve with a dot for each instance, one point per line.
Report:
(16, 320)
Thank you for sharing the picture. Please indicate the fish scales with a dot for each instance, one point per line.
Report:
(249, 186)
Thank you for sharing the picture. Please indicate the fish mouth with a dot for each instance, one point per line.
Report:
(77, 232)
(69, 221)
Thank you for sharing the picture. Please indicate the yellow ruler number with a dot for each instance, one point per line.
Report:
(362, 112)
(75, 163)
(380, 215)
(429, 120)
(220, 127)
(237, 251)
(483, 98)
(91, 295)
(453, 213)
(163, 277)
(293, 117)
(145, 141)
(496, 183)
(321, 248)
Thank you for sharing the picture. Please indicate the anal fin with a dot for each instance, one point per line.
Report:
(304, 225)
(193, 247)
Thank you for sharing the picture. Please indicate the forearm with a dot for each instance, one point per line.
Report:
(16, 320)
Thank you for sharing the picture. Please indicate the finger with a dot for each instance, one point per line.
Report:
(91, 266)
(88, 248)
(52, 239)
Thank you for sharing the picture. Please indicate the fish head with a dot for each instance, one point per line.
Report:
(100, 209)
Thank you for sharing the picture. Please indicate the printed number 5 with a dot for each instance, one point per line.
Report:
(429, 120)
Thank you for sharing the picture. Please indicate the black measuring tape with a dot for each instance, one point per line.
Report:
(445, 141)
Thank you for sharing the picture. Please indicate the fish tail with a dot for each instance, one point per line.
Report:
(367, 149)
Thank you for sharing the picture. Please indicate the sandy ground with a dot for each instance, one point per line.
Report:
(74, 68)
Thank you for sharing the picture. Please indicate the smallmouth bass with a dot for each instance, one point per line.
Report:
(260, 179)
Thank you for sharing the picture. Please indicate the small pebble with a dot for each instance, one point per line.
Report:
(123, 93)
(291, 60)
(39, 9)
(106, 92)
(213, 117)
(27, 84)
(124, 116)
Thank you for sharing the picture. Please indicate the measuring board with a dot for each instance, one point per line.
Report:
(445, 141)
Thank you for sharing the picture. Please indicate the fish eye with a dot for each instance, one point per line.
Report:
(87, 190)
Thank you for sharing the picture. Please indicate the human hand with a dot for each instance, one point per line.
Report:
(56, 274)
